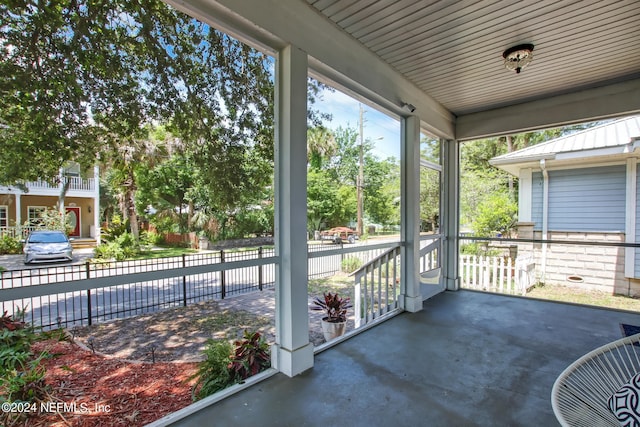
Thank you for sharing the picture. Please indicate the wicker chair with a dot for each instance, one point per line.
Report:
(581, 393)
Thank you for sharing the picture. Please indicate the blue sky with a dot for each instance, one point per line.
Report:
(345, 111)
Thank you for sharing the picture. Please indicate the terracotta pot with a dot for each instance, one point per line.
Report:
(333, 330)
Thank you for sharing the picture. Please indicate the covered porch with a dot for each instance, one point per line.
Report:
(460, 358)
(468, 358)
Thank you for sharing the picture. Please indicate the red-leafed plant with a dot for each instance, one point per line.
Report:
(334, 307)
(10, 323)
(250, 357)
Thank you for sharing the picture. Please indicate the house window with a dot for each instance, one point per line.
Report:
(4, 216)
(35, 214)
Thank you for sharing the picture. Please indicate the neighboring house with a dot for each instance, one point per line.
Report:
(582, 187)
(19, 210)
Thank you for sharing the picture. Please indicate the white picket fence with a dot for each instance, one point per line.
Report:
(497, 274)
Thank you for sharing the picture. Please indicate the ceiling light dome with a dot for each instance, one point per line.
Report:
(518, 57)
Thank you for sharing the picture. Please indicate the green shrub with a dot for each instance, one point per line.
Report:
(496, 215)
(213, 373)
(350, 264)
(150, 238)
(10, 245)
(123, 247)
(21, 372)
(116, 228)
(225, 365)
(109, 250)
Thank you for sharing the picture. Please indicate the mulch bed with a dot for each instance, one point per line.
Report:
(109, 391)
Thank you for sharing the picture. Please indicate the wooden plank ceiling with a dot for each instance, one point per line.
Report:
(453, 49)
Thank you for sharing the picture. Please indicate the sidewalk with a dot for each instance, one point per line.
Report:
(16, 262)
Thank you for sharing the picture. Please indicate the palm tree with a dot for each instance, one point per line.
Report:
(123, 163)
(321, 144)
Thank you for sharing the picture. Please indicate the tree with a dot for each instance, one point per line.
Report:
(322, 199)
(321, 145)
(381, 190)
(429, 185)
(497, 214)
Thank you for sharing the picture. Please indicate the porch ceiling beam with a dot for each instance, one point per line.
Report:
(273, 24)
(609, 101)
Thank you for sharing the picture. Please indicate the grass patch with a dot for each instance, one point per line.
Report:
(581, 296)
(229, 324)
(340, 283)
(164, 253)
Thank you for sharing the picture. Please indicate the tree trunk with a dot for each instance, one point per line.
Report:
(63, 193)
(130, 205)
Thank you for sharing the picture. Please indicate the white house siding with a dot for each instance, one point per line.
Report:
(585, 199)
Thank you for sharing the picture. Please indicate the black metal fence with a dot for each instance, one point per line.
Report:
(137, 286)
(97, 292)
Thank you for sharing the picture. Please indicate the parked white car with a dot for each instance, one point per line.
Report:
(47, 246)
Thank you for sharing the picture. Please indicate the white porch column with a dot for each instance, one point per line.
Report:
(450, 220)
(292, 353)
(411, 298)
(18, 196)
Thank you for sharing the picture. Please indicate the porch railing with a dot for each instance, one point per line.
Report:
(21, 232)
(497, 274)
(377, 287)
(76, 183)
(430, 254)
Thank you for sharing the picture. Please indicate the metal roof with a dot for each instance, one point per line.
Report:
(617, 133)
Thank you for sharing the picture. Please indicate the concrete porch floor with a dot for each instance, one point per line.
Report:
(467, 359)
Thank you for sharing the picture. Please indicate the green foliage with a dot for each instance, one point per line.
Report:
(322, 198)
(225, 365)
(350, 264)
(21, 372)
(52, 219)
(213, 373)
(150, 238)
(164, 224)
(125, 246)
(251, 356)
(10, 245)
(114, 229)
(496, 215)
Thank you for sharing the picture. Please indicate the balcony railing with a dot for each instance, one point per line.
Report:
(76, 184)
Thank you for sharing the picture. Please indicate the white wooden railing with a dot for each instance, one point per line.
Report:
(430, 255)
(497, 274)
(77, 183)
(17, 232)
(377, 287)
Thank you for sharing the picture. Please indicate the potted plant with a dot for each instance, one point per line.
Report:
(335, 308)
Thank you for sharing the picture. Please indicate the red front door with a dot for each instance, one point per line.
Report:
(73, 218)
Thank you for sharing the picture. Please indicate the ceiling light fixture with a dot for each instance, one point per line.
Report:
(518, 57)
